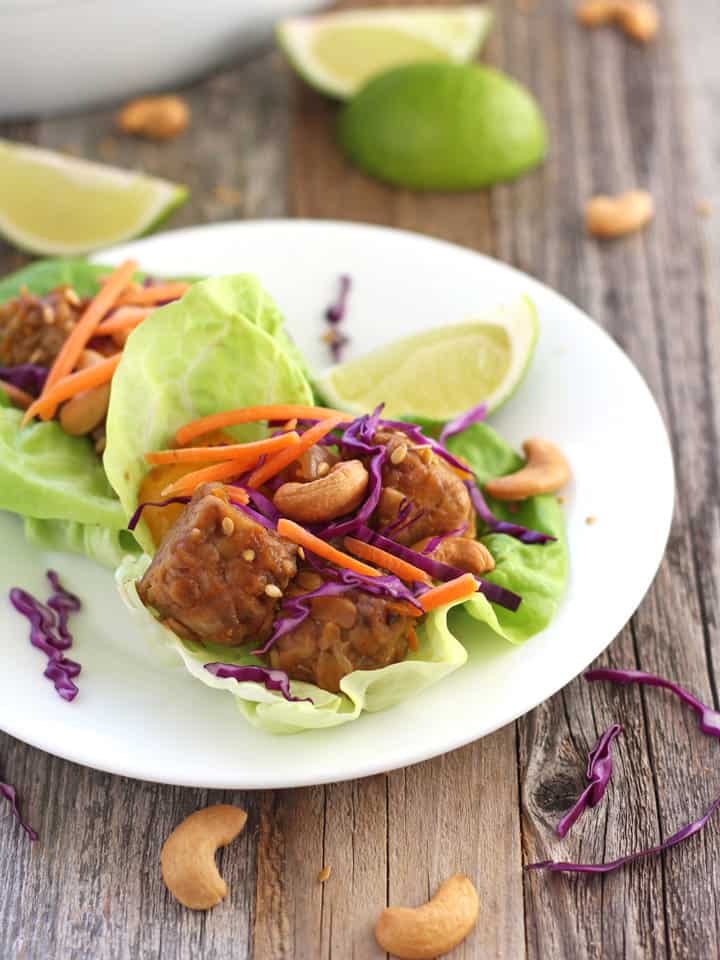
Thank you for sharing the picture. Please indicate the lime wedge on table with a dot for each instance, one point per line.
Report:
(339, 52)
(58, 205)
(440, 373)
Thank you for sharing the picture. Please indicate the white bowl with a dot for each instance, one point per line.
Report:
(58, 55)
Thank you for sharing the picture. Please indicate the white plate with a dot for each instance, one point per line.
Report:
(137, 718)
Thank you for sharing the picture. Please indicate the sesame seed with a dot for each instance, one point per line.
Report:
(324, 874)
(272, 591)
(398, 454)
(228, 527)
(47, 314)
(248, 555)
(323, 469)
(196, 533)
(301, 553)
(72, 297)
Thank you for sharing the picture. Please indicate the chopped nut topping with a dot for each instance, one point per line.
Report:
(273, 591)
(248, 555)
(228, 527)
(398, 454)
(323, 469)
(324, 874)
(590, 520)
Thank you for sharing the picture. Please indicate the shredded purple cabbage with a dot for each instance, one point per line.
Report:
(597, 773)
(10, 794)
(523, 534)
(402, 520)
(357, 441)
(29, 377)
(260, 502)
(690, 830)
(335, 314)
(434, 542)
(708, 718)
(439, 570)
(49, 633)
(254, 515)
(416, 436)
(271, 679)
(465, 420)
(135, 518)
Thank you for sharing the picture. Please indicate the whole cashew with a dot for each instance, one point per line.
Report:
(157, 118)
(331, 496)
(187, 858)
(616, 216)
(88, 409)
(470, 555)
(434, 928)
(638, 18)
(546, 471)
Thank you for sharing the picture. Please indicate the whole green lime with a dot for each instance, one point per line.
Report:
(443, 126)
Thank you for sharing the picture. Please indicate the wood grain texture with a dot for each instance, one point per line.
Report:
(619, 116)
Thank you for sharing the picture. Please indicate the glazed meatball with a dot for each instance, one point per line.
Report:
(353, 631)
(218, 576)
(430, 484)
(33, 329)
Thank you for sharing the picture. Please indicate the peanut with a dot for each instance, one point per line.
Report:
(617, 216)
(156, 118)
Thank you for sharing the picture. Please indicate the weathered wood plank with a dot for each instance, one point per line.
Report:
(91, 887)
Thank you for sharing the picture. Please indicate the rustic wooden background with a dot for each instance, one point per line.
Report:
(261, 146)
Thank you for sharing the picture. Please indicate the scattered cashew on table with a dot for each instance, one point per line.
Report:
(639, 19)
(616, 216)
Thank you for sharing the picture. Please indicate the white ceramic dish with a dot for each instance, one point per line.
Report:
(58, 55)
(139, 718)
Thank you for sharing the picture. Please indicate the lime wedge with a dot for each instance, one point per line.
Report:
(57, 205)
(440, 373)
(339, 52)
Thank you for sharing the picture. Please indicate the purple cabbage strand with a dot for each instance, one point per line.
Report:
(276, 680)
(465, 420)
(598, 773)
(10, 794)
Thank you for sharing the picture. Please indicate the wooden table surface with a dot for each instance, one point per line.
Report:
(260, 145)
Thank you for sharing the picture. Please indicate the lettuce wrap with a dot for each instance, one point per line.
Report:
(210, 353)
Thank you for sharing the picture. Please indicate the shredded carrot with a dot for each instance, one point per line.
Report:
(381, 558)
(227, 470)
(273, 411)
(142, 296)
(404, 609)
(296, 533)
(281, 460)
(413, 639)
(247, 453)
(87, 324)
(16, 395)
(125, 318)
(458, 589)
(48, 402)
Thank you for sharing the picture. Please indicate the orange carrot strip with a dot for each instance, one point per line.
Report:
(125, 318)
(148, 295)
(86, 325)
(381, 558)
(46, 404)
(412, 639)
(296, 533)
(458, 589)
(404, 609)
(16, 395)
(228, 470)
(273, 411)
(281, 460)
(248, 453)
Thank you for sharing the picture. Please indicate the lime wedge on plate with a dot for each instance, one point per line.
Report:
(57, 205)
(339, 52)
(440, 373)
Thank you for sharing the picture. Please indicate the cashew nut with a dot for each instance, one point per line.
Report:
(88, 409)
(157, 118)
(616, 216)
(638, 18)
(328, 497)
(187, 858)
(470, 555)
(546, 471)
(433, 929)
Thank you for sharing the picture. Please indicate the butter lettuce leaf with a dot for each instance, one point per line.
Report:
(216, 349)
(105, 545)
(538, 572)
